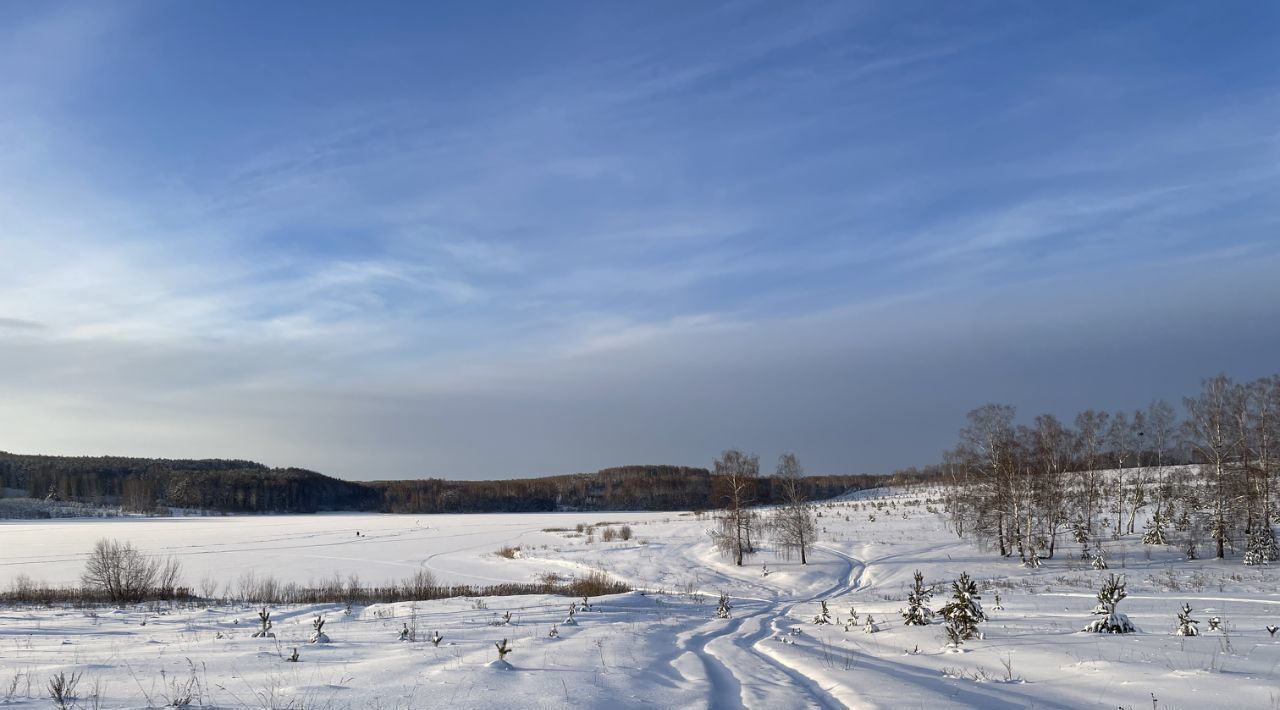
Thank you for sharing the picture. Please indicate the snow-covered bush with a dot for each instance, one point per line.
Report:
(917, 612)
(824, 617)
(1112, 621)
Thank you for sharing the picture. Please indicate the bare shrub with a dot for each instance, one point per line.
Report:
(420, 584)
(625, 532)
(62, 689)
(593, 584)
(508, 552)
(125, 574)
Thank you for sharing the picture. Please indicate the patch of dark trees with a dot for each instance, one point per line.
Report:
(236, 486)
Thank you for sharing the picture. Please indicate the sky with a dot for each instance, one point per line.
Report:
(489, 239)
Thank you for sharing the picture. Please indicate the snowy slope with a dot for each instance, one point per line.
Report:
(658, 648)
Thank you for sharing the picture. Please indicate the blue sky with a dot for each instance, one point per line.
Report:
(495, 239)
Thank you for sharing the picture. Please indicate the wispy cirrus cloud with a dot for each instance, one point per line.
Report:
(593, 235)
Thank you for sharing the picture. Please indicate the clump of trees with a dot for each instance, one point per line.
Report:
(1022, 487)
(739, 526)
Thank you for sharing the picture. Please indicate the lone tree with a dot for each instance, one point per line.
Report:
(963, 613)
(736, 477)
(793, 525)
(917, 612)
(1112, 621)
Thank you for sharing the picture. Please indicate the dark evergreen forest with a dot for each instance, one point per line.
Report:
(236, 486)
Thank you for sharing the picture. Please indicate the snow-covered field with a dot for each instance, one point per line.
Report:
(661, 647)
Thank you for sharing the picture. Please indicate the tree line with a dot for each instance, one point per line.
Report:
(1022, 487)
(237, 486)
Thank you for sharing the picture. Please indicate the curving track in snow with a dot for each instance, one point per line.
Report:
(739, 666)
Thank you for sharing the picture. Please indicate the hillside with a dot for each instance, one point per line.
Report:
(145, 485)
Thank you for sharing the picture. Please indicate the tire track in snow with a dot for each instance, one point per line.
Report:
(722, 649)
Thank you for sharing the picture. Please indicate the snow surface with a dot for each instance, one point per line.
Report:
(659, 647)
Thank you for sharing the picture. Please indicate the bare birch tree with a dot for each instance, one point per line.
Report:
(737, 474)
(793, 524)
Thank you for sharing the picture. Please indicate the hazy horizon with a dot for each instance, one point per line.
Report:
(462, 241)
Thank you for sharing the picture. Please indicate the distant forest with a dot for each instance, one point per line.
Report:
(234, 486)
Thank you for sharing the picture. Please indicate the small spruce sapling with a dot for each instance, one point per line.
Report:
(436, 638)
(917, 612)
(293, 658)
(1272, 629)
(964, 612)
(317, 631)
(724, 608)
(870, 627)
(824, 617)
(1112, 621)
(404, 633)
(1153, 531)
(1262, 544)
(1186, 625)
(1080, 532)
(573, 609)
(503, 650)
(264, 617)
(1215, 623)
